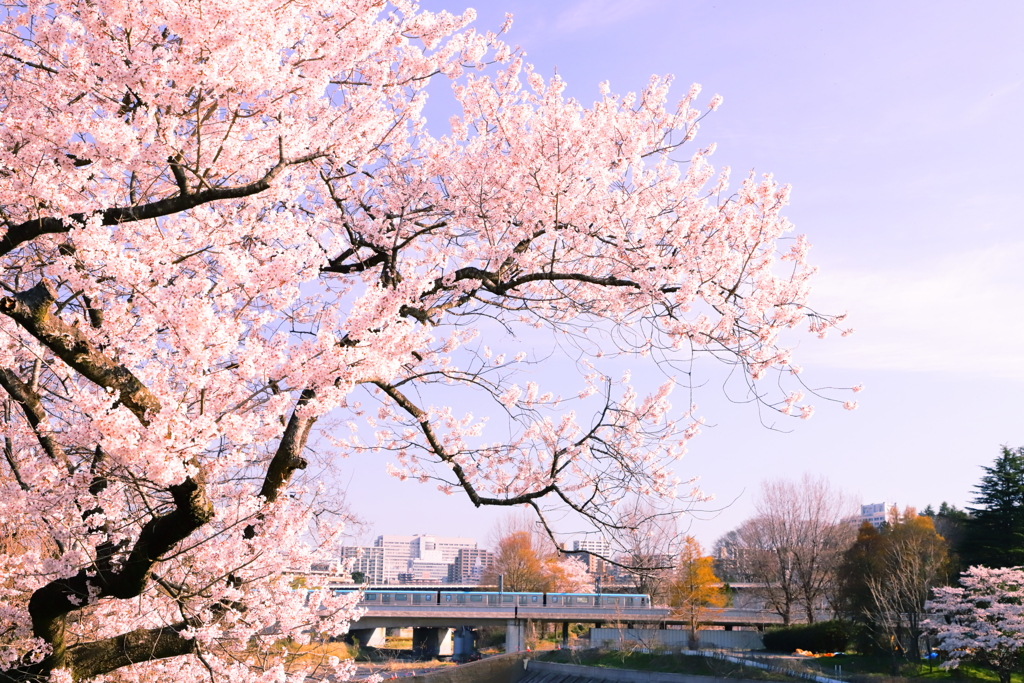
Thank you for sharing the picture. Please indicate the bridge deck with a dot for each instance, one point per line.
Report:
(379, 616)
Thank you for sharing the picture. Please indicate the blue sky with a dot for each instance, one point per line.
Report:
(899, 126)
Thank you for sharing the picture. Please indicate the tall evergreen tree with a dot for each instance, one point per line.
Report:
(954, 525)
(996, 527)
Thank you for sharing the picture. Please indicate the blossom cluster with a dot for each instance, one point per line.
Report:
(205, 257)
(982, 620)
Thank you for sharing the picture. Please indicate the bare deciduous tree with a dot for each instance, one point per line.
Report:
(648, 542)
(912, 563)
(793, 545)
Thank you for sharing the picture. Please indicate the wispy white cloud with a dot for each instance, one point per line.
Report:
(963, 313)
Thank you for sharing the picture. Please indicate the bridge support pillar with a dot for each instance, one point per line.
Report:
(565, 634)
(368, 637)
(515, 636)
(464, 644)
(429, 643)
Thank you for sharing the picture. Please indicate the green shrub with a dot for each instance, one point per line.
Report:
(824, 636)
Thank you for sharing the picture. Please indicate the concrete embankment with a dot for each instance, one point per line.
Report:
(549, 672)
(522, 668)
(498, 669)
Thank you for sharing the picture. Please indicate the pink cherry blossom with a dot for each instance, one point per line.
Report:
(224, 274)
(982, 620)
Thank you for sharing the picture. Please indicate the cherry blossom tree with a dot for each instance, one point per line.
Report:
(982, 620)
(225, 223)
(569, 575)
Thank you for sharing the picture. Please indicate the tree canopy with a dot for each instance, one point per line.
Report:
(206, 257)
(694, 590)
(995, 531)
(982, 620)
(793, 544)
(887, 576)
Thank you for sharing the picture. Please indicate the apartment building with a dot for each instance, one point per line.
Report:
(368, 560)
(420, 557)
(470, 565)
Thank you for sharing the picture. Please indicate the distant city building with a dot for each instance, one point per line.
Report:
(598, 546)
(644, 563)
(420, 557)
(368, 560)
(470, 565)
(732, 563)
(876, 514)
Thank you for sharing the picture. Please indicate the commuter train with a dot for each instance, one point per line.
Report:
(402, 597)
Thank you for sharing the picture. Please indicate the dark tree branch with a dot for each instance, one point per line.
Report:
(438, 449)
(34, 65)
(179, 174)
(32, 406)
(288, 456)
(141, 645)
(31, 310)
(29, 230)
(50, 604)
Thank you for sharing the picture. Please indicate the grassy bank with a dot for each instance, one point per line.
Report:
(871, 669)
(855, 668)
(666, 663)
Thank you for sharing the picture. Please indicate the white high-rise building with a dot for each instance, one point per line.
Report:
(875, 513)
(598, 546)
(367, 560)
(421, 556)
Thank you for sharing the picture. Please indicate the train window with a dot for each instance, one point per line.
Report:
(582, 599)
(447, 597)
(476, 598)
(386, 597)
(416, 598)
(629, 602)
(553, 598)
(428, 598)
(370, 597)
(534, 599)
(401, 597)
(507, 598)
(461, 598)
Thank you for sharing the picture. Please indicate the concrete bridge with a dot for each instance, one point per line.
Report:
(433, 625)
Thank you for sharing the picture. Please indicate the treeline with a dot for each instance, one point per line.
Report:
(811, 562)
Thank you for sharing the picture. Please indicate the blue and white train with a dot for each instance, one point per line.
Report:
(403, 597)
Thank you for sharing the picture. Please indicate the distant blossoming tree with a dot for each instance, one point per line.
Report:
(982, 620)
(568, 575)
(223, 220)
